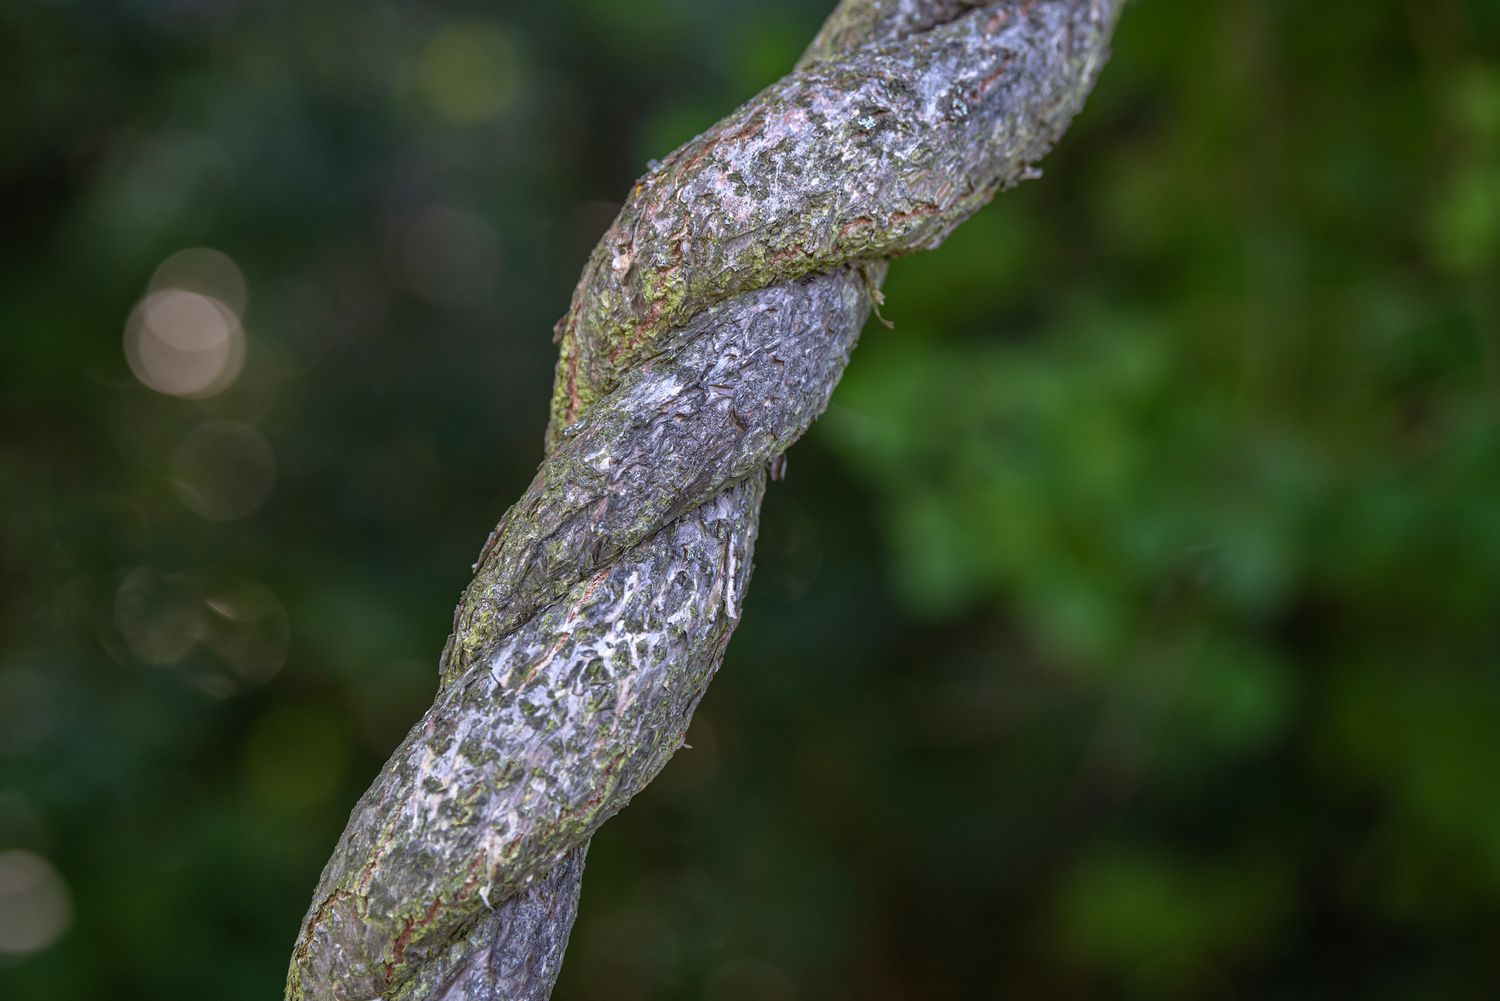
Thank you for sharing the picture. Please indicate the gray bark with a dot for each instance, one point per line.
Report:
(707, 332)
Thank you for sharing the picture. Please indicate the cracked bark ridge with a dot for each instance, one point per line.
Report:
(521, 759)
(707, 332)
(858, 155)
(516, 954)
(748, 378)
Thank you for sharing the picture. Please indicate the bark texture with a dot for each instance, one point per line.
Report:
(707, 332)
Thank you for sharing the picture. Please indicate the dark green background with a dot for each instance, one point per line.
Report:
(1128, 627)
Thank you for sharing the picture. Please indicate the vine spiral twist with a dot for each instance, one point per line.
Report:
(710, 325)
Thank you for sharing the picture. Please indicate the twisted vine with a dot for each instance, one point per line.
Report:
(710, 325)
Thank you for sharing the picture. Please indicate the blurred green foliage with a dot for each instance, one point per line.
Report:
(1128, 628)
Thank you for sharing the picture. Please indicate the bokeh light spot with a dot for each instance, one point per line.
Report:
(206, 271)
(247, 632)
(470, 71)
(156, 616)
(235, 630)
(35, 908)
(184, 343)
(187, 321)
(223, 470)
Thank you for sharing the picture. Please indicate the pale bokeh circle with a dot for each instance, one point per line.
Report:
(35, 908)
(184, 343)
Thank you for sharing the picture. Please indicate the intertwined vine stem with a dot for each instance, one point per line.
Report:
(710, 326)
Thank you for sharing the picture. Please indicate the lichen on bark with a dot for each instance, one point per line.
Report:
(749, 377)
(522, 758)
(880, 152)
(707, 332)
